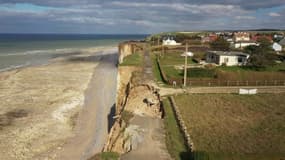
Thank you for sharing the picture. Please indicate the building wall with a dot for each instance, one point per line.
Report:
(242, 38)
(242, 45)
(277, 47)
(227, 60)
(232, 60)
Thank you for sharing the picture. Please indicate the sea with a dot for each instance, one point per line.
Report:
(20, 50)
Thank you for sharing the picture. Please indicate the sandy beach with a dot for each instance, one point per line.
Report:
(39, 105)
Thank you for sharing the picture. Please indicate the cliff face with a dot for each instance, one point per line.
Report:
(128, 48)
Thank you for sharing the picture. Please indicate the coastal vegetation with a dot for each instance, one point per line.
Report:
(229, 126)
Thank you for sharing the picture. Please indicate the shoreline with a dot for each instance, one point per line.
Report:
(62, 52)
(39, 104)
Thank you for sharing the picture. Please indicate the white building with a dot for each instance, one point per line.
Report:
(277, 47)
(241, 36)
(170, 42)
(243, 44)
(227, 58)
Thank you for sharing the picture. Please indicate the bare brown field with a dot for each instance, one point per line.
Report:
(228, 126)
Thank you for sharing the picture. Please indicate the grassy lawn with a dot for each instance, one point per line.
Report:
(276, 68)
(133, 60)
(174, 138)
(234, 73)
(175, 58)
(172, 64)
(155, 69)
(228, 126)
(191, 72)
(170, 72)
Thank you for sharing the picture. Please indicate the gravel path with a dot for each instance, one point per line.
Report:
(95, 118)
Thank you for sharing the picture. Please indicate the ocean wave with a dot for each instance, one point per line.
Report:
(47, 51)
(11, 67)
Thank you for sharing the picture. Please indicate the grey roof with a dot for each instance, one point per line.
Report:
(229, 53)
(282, 42)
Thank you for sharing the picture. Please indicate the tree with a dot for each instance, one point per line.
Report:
(261, 55)
(220, 44)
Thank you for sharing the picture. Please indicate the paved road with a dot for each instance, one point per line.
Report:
(94, 119)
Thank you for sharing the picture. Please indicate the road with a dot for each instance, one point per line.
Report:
(95, 119)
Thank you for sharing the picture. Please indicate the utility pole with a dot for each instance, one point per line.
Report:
(185, 67)
(157, 41)
(163, 50)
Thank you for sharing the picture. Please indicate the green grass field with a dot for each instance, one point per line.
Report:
(135, 59)
(174, 138)
(276, 72)
(174, 58)
(228, 126)
(155, 69)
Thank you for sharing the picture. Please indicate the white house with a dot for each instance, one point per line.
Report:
(227, 58)
(170, 42)
(277, 47)
(243, 44)
(241, 36)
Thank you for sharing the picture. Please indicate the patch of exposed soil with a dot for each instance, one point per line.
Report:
(140, 132)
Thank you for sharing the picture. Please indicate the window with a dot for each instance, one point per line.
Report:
(226, 60)
(240, 60)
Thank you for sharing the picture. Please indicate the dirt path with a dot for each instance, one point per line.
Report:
(153, 145)
(96, 117)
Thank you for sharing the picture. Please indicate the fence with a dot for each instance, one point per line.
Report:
(181, 124)
(213, 83)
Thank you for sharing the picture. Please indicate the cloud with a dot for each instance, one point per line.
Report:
(274, 14)
(245, 17)
(136, 16)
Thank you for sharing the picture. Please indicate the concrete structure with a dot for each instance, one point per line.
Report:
(277, 47)
(227, 58)
(170, 42)
(242, 44)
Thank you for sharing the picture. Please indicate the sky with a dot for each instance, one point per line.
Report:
(138, 17)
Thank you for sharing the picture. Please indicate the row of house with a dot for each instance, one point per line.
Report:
(244, 39)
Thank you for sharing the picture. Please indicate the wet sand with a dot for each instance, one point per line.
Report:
(39, 105)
